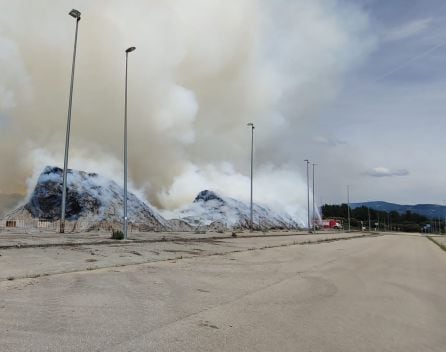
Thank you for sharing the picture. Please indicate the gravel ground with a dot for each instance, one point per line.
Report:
(440, 240)
(15, 239)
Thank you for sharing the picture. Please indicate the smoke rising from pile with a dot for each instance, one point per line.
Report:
(202, 70)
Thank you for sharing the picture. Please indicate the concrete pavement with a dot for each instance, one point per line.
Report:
(383, 293)
(63, 254)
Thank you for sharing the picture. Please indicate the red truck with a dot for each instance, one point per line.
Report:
(331, 224)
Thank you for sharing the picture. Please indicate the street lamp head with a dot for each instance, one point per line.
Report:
(129, 50)
(76, 14)
(250, 124)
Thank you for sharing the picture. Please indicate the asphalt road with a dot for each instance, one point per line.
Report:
(384, 293)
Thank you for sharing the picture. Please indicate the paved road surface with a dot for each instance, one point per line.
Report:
(55, 258)
(384, 293)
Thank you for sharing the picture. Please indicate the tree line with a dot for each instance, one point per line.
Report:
(382, 220)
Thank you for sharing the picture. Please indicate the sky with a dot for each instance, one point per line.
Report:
(389, 115)
(357, 87)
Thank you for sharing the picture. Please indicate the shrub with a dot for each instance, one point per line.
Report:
(117, 235)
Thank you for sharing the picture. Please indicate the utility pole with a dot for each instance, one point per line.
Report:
(77, 15)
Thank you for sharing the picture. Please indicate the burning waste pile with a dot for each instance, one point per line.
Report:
(91, 200)
(96, 202)
(209, 209)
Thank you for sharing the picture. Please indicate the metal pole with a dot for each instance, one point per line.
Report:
(370, 224)
(76, 14)
(125, 147)
(251, 223)
(348, 207)
(444, 215)
(308, 195)
(129, 50)
(314, 212)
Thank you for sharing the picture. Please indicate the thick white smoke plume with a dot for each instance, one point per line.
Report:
(202, 70)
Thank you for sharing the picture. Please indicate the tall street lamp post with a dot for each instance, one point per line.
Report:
(314, 206)
(252, 163)
(129, 50)
(77, 15)
(308, 194)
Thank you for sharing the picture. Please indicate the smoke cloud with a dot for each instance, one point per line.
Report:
(202, 70)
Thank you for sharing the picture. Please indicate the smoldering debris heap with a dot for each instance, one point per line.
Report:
(93, 199)
(214, 210)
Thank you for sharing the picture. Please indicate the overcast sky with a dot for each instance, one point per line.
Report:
(356, 86)
(389, 117)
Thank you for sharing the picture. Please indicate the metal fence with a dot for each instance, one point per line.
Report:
(40, 225)
(49, 226)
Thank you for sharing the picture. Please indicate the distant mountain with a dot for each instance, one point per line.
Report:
(210, 208)
(428, 210)
(9, 201)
